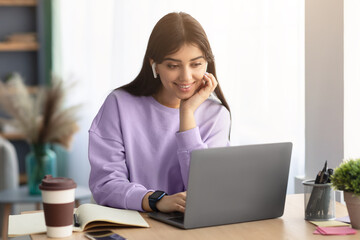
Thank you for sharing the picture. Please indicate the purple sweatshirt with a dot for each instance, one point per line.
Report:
(135, 147)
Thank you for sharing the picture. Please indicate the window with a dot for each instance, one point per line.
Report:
(258, 47)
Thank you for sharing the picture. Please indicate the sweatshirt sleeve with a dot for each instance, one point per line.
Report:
(217, 135)
(109, 176)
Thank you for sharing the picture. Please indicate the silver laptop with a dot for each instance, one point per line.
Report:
(234, 184)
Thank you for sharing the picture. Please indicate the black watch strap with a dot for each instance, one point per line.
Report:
(154, 198)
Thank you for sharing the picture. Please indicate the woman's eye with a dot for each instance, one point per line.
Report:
(196, 64)
(172, 66)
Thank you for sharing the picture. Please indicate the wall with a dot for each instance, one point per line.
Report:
(324, 85)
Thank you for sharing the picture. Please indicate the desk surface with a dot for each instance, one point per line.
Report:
(290, 226)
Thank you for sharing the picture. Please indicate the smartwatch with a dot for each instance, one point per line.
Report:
(154, 198)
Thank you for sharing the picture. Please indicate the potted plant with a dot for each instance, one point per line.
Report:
(42, 119)
(346, 178)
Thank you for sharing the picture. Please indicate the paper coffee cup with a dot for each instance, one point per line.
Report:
(58, 196)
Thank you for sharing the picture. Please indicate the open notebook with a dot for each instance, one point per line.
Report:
(90, 216)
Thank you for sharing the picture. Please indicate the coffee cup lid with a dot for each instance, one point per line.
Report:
(54, 184)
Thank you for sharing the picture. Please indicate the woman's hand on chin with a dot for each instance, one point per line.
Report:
(207, 87)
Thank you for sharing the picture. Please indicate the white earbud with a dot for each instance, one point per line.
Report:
(153, 66)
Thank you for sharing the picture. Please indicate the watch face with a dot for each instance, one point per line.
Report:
(156, 194)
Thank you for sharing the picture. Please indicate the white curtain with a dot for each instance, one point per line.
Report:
(258, 47)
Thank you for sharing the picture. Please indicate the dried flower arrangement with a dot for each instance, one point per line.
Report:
(40, 117)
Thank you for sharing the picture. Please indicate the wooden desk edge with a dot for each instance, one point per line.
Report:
(293, 215)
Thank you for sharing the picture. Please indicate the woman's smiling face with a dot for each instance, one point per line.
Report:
(181, 74)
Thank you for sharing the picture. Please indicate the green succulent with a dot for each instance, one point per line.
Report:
(346, 176)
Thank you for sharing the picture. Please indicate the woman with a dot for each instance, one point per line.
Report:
(141, 139)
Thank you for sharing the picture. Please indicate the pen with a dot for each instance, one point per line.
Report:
(76, 221)
(323, 173)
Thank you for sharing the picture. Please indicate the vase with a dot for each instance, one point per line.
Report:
(353, 207)
(40, 161)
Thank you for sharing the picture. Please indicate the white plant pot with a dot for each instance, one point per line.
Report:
(353, 207)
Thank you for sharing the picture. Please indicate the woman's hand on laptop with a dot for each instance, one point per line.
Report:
(172, 203)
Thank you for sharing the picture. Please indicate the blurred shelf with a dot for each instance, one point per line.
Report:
(18, 2)
(18, 46)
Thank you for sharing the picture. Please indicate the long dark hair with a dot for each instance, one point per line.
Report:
(169, 34)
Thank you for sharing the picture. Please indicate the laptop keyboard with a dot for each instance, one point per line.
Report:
(174, 217)
(177, 219)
